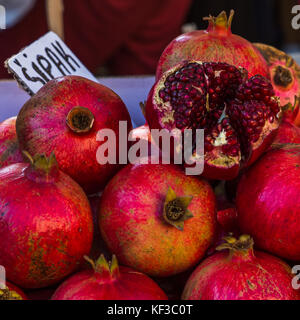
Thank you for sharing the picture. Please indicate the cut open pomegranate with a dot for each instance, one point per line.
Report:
(240, 115)
(285, 78)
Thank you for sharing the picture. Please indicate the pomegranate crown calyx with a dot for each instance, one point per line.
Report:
(221, 22)
(103, 267)
(41, 162)
(175, 210)
(244, 243)
(6, 294)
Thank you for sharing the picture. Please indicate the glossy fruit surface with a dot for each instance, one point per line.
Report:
(268, 202)
(9, 145)
(156, 219)
(46, 223)
(287, 133)
(108, 281)
(216, 44)
(241, 274)
(65, 116)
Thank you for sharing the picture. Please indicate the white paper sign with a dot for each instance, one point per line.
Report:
(45, 59)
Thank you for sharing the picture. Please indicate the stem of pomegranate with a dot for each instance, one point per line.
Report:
(80, 120)
(6, 294)
(244, 243)
(102, 266)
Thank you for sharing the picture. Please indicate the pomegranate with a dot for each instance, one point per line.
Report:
(11, 292)
(65, 117)
(240, 115)
(46, 223)
(287, 133)
(216, 44)
(241, 274)
(268, 202)
(285, 78)
(9, 145)
(108, 281)
(156, 219)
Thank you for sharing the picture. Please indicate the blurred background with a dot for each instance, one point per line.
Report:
(126, 37)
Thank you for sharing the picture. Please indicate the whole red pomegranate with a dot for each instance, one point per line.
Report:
(287, 133)
(216, 44)
(241, 274)
(268, 202)
(156, 219)
(11, 292)
(108, 281)
(46, 223)
(9, 145)
(65, 117)
(240, 116)
(285, 78)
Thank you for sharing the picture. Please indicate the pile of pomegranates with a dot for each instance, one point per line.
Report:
(219, 235)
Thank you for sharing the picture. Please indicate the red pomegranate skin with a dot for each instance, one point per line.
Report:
(128, 284)
(268, 202)
(297, 120)
(216, 44)
(41, 127)
(9, 145)
(241, 276)
(46, 225)
(132, 223)
(17, 293)
(287, 133)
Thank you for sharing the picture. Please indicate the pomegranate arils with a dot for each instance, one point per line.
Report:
(256, 88)
(186, 92)
(199, 87)
(240, 116)
(222, 82)
(222, 135)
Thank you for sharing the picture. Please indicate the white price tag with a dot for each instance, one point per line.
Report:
(45, 59)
